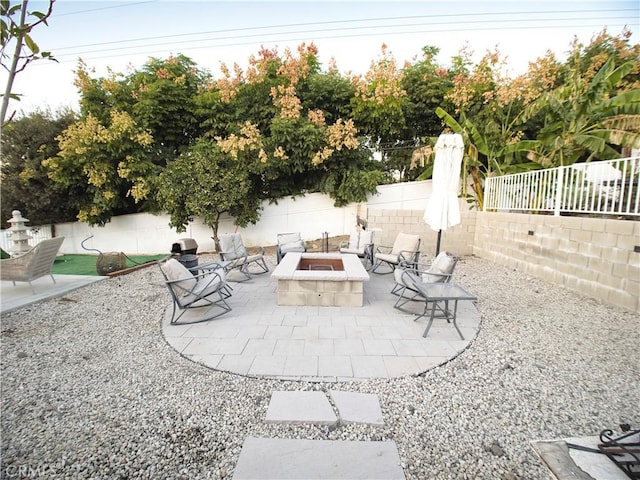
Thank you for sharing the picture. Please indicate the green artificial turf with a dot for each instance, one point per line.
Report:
(86, 264)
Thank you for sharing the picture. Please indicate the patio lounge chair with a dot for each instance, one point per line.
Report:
(406, 248)
(289, 242)
(190, 289)
(232, 250)
(360, 243)
(408, 275)
(34, 263)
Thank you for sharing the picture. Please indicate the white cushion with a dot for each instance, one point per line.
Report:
(354, 241)
(232, 246)
(397, 274)
(353, 251)
(358, 241)
(366, 238)
(405, 277)
(405, 242)
(290, 242)
(288, 238)
(205, 286)
(387, 257)
(174, 270)
(254, 258)
(292, 247)
(443, 264)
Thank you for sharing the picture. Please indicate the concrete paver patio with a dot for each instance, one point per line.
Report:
(260, 338)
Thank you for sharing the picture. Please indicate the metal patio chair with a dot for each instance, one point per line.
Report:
(408, 275)
(289, 242)
(360, 243)
(406, 248)
(203, 286)
(232, 250)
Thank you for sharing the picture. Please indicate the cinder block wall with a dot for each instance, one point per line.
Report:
(593, 256)
(387, 223)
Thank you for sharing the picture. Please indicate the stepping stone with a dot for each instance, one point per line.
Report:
(271, 458)
(300, 407)
(356, 407)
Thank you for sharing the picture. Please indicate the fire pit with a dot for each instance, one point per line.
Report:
(320, 279)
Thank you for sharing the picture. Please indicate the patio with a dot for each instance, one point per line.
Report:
(262, 339)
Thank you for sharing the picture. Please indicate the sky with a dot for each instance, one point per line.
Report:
(124, 35)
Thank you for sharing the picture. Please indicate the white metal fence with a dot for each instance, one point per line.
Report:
(37, 234)
(602, 187)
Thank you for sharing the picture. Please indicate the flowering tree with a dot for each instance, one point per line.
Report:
(161, 98)
(594, 111)
(379, 100)
(130, 128)
(110, 162)
(285, 138)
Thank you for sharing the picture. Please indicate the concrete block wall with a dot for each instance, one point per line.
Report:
(387, 223)
(594, 256)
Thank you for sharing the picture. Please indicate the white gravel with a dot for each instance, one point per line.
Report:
(90, 388)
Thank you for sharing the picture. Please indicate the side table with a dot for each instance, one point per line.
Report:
(438, 293)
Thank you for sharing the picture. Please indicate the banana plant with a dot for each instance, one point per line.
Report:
(489, 151)
(582, 121)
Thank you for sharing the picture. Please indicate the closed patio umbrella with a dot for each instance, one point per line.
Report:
(443, 209)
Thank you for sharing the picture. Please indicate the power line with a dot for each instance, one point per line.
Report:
(129, 4)
(291, 39)
(369, 27)
(412, 17)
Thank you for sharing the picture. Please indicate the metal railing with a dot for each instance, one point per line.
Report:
(603, 187)
(37, 234)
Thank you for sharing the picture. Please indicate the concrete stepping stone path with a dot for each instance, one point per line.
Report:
(277, 458)
(300, 407)
(357, 407)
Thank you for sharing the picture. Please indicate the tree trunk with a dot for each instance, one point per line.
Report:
(14, 65)
(214, 227)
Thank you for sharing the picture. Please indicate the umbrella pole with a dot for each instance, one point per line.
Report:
(438, 242)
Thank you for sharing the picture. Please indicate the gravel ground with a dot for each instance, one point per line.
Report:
(90, 389)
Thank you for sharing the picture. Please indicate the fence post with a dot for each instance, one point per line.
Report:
(558, 202)
(487, 193)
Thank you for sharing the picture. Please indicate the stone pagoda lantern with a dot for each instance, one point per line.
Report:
(18, 232)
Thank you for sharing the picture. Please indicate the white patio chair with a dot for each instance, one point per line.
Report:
(33, 264)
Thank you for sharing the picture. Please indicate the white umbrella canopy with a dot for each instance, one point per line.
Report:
(443, 209)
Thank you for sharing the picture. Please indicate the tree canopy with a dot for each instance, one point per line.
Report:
(170, 137)
(25, 143)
